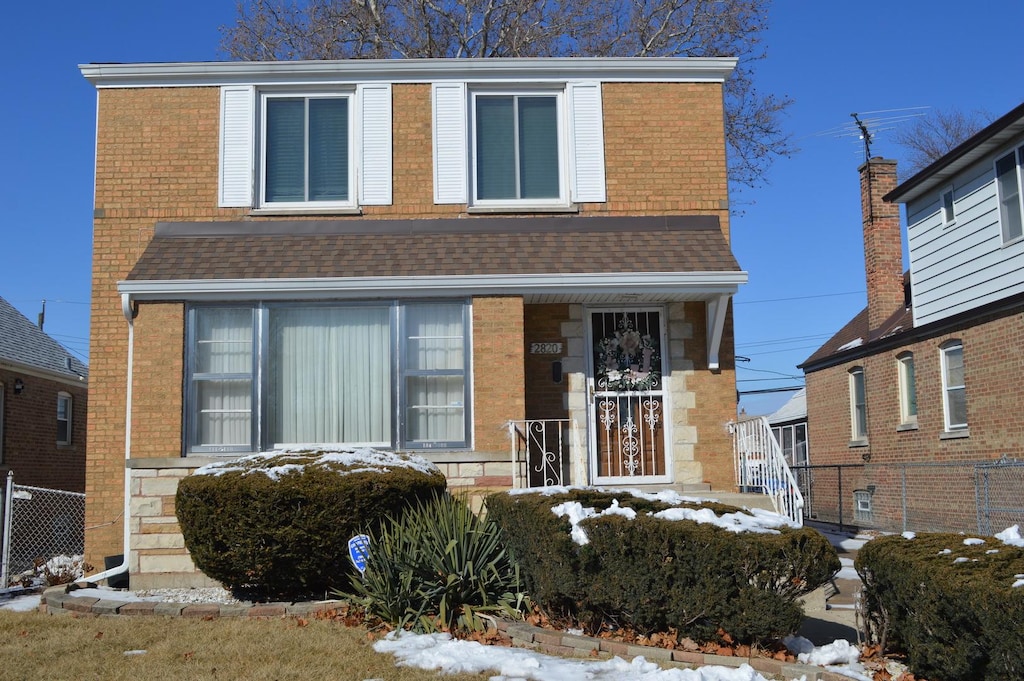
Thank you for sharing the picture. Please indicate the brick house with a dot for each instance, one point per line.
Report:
(43, 401)
(928, 372)
(460, 244)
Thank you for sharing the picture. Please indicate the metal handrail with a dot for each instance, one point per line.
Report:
(760, 466)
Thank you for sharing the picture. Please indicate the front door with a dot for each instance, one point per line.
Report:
(628, 411)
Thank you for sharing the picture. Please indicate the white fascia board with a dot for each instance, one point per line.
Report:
(539, 69)
(711, 285)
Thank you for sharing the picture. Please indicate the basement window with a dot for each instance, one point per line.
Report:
(862, 512)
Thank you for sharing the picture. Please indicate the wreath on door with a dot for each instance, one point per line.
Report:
(628, 360)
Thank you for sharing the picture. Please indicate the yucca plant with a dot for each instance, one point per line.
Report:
(439, 567)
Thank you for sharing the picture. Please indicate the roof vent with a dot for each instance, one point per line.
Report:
(67, 363)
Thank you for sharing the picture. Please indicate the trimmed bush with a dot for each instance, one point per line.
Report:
(655, 574)
(950, 607)
(438, 567)
(276, 526)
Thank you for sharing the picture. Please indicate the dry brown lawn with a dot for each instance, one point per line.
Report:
(34, 646)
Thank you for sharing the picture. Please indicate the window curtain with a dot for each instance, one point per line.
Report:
(495, 148)
(223, 376)
(328, 149)
(435, 373)
(285, 174)
(330, 375)
(538, 148)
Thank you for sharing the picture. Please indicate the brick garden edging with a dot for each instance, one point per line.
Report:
(58, 600)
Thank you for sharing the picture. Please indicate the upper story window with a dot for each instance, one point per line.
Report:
(858, 406)
(264, 376)
(907, 389)
(285, 150)
(63, 419)
(954, 392)
(517, 155)
(948, 208)
(306, 145)
(518, 148)
(1008, 185)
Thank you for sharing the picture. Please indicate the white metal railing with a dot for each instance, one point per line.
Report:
(761, 467)
(541, 451)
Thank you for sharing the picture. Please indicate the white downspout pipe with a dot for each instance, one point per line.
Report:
(129, 314)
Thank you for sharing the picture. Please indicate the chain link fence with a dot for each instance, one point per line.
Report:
(38, 524)
(983, 497)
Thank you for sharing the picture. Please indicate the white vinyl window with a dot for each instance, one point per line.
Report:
(1008, 185)
(907, 388)
(266, 376)
(862, 506)
(306, 150)
(954, 392)
(63, 419)
(517, 148)
(858, 406)
(948, 208)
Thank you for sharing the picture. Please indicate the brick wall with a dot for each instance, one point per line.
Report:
(883, 246)
(29, 419)
(157, 161)
(993, 369)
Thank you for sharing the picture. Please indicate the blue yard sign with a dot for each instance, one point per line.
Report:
(359, 551)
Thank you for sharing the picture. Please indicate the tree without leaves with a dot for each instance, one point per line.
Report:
(933, 136)
(388, 29)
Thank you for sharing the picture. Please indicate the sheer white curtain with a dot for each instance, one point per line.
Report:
(330, 375)
(435, 373)
(223, 376)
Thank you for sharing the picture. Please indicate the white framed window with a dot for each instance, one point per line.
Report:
(858, 406)
(862, 511)
(267, 375)
(954, 392)
(63, 418)
(518, 154)
(907, 388)
(1008, 186)
(792, 440)
(306, 150)
(518, 148)
(948, 208)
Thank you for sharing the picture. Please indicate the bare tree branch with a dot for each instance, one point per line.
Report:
(930, 137)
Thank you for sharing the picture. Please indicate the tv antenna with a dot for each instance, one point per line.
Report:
(867, 125)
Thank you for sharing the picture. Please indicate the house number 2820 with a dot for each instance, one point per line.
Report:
(545, 348)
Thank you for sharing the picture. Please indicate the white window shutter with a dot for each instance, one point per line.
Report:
(451, 148)
(588, 179)
(237, 121)
(375, 162)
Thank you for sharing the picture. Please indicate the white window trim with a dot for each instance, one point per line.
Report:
(855, 433)
(264, 97)
(948, 212)
(562, 201)
(905, 388)
(63, 396)
(943, 353)
(1017, 155)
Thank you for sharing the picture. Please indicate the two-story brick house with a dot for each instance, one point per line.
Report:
(43, 400)
(405, 255)
(929, 372)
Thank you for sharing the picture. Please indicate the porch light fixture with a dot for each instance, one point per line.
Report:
(19, 385)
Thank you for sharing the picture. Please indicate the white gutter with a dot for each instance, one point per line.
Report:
(699, 285)
(126, 309)
(477, 70)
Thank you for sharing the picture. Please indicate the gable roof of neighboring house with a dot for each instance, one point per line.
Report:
(795, 409)
(670, 255)
(25, 345)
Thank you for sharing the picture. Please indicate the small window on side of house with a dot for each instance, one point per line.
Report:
(63, 419)
(948, 208)
(862, 511)
(858, 406)
(1008, 189)
(907, 389)
(954, 389)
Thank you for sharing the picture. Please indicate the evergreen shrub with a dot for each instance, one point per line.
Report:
(654, 574)
(950, 607)
(276, 526)
(439, 567)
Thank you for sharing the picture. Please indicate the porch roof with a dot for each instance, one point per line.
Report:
(666, 257)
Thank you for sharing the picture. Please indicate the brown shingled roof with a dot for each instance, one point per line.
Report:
(441, 247)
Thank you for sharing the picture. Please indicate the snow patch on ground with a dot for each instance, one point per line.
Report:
(297, 457)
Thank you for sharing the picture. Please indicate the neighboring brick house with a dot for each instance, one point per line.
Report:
(43, 401)
(459, 243)
(930, 372)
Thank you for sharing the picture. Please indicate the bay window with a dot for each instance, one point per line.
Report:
(268, 375)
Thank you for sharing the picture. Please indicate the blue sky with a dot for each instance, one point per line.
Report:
(798, 235)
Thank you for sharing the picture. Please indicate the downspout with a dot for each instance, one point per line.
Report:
(129, 314)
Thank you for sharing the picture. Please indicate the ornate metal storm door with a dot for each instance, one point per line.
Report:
(628, 411)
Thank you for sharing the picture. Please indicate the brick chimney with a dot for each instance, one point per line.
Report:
(883, 246)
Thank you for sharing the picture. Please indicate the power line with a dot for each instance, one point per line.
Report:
(763, 391)
(782, 300)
